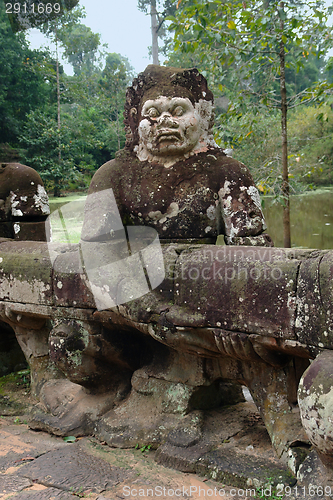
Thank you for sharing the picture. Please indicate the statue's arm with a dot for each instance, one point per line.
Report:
(244, 222)
(100, 206)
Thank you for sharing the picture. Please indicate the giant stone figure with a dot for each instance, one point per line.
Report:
(172, 177)
(171, 174)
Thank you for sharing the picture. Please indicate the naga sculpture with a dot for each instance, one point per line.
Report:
(24, 208)
(133, 333)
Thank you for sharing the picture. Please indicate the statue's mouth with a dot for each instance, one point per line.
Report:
(168, 135)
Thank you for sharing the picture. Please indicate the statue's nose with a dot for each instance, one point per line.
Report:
(166, 119)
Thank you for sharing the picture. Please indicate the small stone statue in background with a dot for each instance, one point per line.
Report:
(24, 204)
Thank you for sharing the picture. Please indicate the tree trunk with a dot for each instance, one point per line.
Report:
(56, 192)
(117, 121)
(154, 26)
(285, 178)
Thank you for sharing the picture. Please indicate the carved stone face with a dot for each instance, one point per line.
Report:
(170, 128)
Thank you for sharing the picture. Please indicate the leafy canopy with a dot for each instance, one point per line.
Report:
(247, 35)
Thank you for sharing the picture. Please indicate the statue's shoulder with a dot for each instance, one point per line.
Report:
(227, 168)
(110, 172)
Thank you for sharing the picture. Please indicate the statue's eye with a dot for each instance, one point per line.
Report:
(152, 113)
(178, 111)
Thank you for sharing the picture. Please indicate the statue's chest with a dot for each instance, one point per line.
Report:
(176, 207)
(190, 193)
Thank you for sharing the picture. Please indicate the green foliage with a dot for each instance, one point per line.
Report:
(91, 127)
(311, 141)
(143, 448)
(41, 141)
(22, 83)
(80, 47)
(165, 8)
(241, 43)
(114, 80)
(261, 40)
(91, 105)
(249, 33)
(20, 378)
(310, 147)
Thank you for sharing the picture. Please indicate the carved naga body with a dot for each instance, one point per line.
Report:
(138, 327)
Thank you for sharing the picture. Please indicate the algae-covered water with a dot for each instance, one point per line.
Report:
(311, 218)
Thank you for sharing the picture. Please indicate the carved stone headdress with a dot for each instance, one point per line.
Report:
(158, 81)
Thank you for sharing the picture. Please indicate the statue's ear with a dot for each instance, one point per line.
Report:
(133, 113)
(207, 114)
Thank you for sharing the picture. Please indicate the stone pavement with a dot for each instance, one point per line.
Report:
(38, 466)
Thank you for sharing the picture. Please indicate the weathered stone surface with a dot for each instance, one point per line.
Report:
(70, 284)
(25, 273)
(141, 354)
(312, 472)
(72, 467)
(46, 494)
(186, 207)
(234, 468)
(171, 175)
(10, 484)
(315, 396)
(162, 319)
(24, 204)
(313, 322)
(254, 281)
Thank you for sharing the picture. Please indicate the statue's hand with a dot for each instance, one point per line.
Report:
(261, 240)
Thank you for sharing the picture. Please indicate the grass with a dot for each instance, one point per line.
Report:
(20, 379)
(66, 219)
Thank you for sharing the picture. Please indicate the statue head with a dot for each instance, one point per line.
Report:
(169, 114)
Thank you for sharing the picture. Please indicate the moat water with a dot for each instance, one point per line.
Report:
(311, 219)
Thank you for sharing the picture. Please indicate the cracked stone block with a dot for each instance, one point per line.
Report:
(10, 483)
(243, 471)
(71, 469)
(46, 494)
(180, 458)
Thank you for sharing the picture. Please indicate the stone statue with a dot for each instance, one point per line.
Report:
(171, 175)
(24, 204)
(24, 207)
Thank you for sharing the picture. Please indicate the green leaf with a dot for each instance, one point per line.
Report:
(69, 439)
(294, 23)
